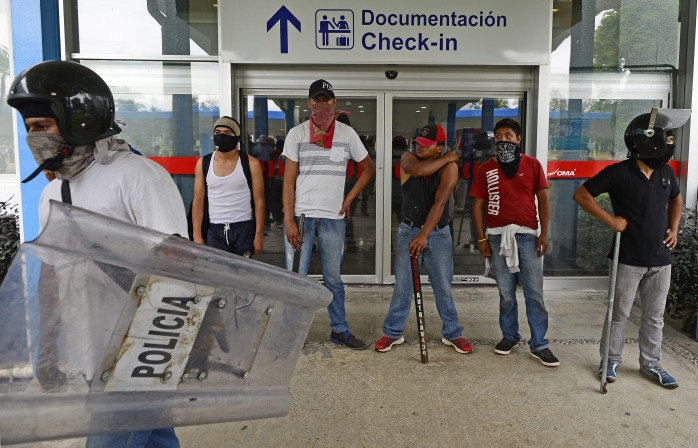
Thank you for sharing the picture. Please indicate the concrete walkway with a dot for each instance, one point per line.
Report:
(345, 398)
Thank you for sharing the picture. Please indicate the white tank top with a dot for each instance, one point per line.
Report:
(229, 196)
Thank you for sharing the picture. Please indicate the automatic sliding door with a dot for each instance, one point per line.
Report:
(462, 119)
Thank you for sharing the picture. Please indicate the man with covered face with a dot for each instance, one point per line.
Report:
(68, 111)
(228, 206)
(511, 182)
(647, 207)
(317, 152)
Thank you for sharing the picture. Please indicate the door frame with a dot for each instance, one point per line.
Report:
(385, 230)
(367, 81)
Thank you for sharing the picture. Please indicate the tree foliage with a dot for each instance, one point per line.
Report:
(643, 32)
(9, 236)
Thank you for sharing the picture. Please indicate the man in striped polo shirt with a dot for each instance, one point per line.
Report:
(317, 152)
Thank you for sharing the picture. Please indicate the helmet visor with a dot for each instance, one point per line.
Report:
(672, 118)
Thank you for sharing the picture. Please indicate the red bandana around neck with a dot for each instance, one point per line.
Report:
(319, 137)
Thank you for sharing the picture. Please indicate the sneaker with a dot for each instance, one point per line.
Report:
(347, 339)
(610, 371)
(661, 376)
(505, 346)
(546, 357)
(386, 343)
(460, 344)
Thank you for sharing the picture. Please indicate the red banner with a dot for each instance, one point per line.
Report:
(585, 169)
(556, 169)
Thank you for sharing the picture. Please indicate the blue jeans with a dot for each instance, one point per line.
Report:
(330, 233)
(531, 279)
(156, 438)
(437, 259)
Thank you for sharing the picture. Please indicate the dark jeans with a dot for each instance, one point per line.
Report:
(234, 237)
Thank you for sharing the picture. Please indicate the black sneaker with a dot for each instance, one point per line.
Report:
(505, 346)
(546, 357)
(347, 339)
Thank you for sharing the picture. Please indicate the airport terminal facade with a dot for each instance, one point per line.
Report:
(572, 72)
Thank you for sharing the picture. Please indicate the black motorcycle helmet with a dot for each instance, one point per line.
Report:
(79, 99)
(642, 144)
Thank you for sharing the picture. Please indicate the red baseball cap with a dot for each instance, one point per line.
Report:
(430, 134)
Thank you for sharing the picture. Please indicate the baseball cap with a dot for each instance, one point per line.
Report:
(229, 123)
(321, 86)
(430, 134)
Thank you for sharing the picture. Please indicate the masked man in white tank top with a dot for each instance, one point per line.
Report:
(235, 225)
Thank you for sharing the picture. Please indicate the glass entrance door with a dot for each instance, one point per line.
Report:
(462, 119)
(387, 124)
(268, 119)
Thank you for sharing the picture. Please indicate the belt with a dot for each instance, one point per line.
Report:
(411, 223)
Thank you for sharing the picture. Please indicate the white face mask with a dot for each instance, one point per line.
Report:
(44, 146)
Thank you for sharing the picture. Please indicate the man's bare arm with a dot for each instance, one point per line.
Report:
(411, 164)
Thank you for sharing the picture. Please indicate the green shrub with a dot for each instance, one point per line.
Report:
(682, 301)
(9, 235)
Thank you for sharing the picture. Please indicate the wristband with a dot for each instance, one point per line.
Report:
(480, 241)
(259, 233)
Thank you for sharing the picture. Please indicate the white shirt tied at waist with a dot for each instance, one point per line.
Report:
(508, 247)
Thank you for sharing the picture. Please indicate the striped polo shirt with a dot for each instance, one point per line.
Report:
(322, 172)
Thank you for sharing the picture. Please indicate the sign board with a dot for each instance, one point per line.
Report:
(160, 337)
(471, 32)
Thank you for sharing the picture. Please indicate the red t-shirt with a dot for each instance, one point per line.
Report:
(510, 201)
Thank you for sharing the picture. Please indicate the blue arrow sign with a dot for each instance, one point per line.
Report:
(283, 16)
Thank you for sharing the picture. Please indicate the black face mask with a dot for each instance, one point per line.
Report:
(654, 163)
(225, 142)
(669, 152)
(509, 157)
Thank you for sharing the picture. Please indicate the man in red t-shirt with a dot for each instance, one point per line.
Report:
(510, 183)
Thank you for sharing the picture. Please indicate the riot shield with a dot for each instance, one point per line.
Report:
(110, 327)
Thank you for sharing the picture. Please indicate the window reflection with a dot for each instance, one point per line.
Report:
(603, 74)
(169, 109)
(7, 151)
(145, 27)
